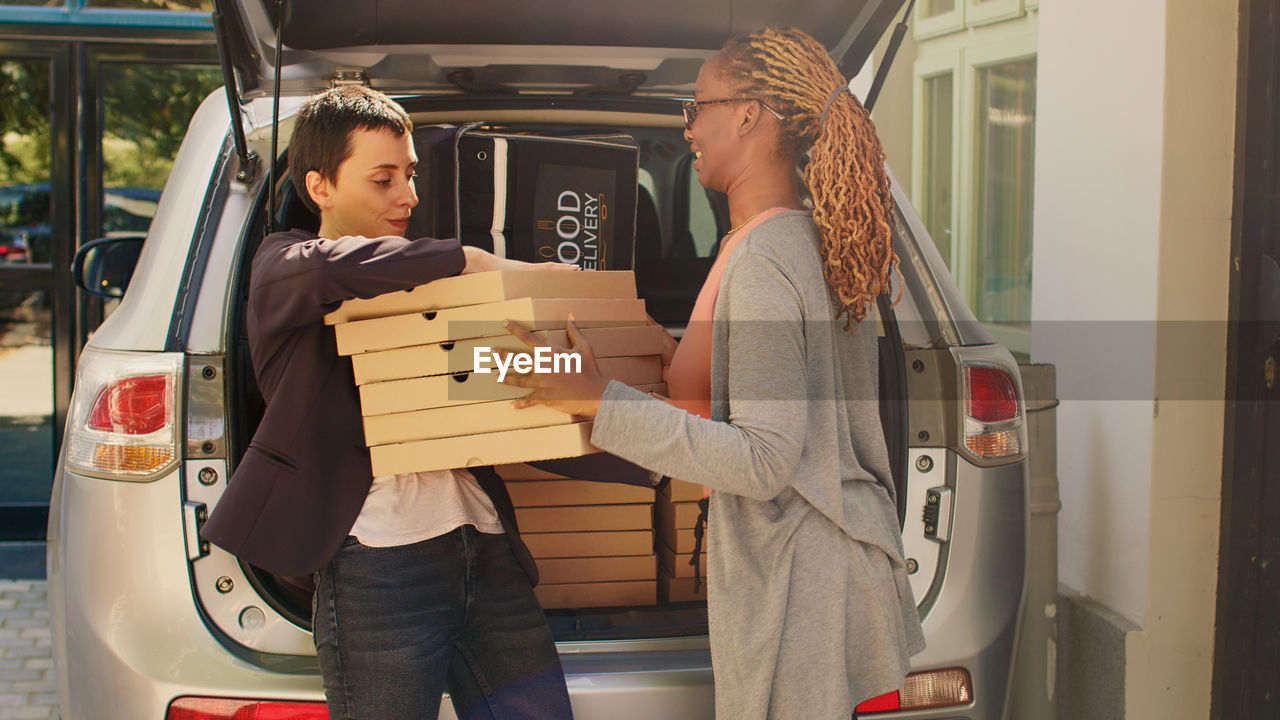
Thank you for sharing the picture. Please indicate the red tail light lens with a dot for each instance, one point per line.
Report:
(888, 701)
(190, 708)
(993, 395)
(136, 405)
(993, 425)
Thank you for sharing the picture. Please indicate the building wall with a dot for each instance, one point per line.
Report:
(1133, 189)
(1133, 201)
(1098, 173)
(1170, 662)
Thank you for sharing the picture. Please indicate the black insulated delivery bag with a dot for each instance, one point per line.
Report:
(528, 196)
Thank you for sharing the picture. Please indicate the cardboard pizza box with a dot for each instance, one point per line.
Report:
(426, 360)
(584, 518)
(400, 397)
(588, 544)
(454, 420)
(552, 571)
(436, 391)
(682, 541)
(464, 451)
(669, 517)
(485, 320)
(634, 371)
(681, 491)
(601, 594)
(489, 287)
(677, 565)
(619, 341)
(460, 356)
(550, 493)
(681, 589)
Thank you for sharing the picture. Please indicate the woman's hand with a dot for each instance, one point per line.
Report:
(575, 393)
(478, 260)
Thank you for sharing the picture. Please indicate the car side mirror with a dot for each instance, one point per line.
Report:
(103, 267)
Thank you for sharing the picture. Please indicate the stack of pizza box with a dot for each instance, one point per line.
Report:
(674, 517)
(425, 363)
(592, 542)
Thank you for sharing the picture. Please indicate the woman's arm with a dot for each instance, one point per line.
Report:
(756, 452)
(298, 282)
(480, 260)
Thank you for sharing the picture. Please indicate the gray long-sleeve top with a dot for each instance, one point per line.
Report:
(809, 606)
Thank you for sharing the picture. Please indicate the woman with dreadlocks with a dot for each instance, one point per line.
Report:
(774, 392)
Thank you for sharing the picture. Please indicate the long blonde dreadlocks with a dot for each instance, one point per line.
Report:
(845, 174)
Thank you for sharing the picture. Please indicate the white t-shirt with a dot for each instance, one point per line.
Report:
(405, 509)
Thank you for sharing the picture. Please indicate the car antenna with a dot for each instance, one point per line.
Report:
(889, 53)
(275, 122)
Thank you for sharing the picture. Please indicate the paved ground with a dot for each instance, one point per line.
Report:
(26, 425)
(27, 689)
(26, 376)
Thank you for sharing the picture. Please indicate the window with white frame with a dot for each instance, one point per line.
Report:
(973, 151)
(934, 196)
(1004, 140)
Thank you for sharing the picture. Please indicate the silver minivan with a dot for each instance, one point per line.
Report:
(151, 622)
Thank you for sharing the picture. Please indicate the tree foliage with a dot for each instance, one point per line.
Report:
(148, 107)
(145, 112)
(24, 120)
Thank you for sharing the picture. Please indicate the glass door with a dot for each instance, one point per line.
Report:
(144, 99)
(35, 237)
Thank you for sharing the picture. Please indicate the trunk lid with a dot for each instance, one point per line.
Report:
(508, 46)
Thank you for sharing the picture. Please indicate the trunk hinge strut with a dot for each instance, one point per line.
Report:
(889, 53)
(275, 122)
(248, 161)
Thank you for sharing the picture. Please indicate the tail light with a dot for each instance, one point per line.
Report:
(192, 708)
(924, 690)
(123, 422)
(993, 422)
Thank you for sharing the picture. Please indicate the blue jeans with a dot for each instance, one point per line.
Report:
(395, 627)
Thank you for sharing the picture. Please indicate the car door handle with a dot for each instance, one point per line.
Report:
(193, 516)
(937, 514)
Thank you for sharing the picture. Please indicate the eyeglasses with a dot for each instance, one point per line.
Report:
(690, 108)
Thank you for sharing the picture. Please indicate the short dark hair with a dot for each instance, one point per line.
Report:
(322, 133)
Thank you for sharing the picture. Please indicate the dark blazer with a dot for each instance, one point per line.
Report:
(301, 484)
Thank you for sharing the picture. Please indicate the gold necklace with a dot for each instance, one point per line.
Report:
(740, 225)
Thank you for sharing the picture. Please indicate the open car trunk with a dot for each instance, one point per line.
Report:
(678, 226)
(555, 66)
